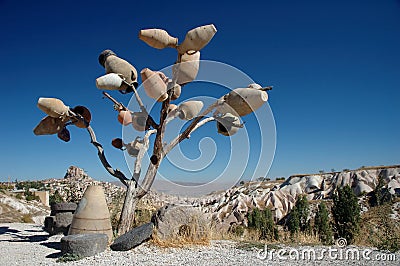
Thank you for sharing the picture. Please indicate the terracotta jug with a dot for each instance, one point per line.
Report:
(113, 64)
(134, 147)
(187, 70)
(139, 120)
(177, 90)
(197, 38)
(190, 109)
(243, 101)
(158, 38)
(228, 124)
(117, 143)
(92, 215)
(49, 126)
(111, 81)
(85, 113)
(124, 117)
(154, 84)
(53, 107)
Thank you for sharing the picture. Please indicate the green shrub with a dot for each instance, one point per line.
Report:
(346, 214)
(298, 217)
(55, 198)
(322, 225)
(68, 257)
(263, 222)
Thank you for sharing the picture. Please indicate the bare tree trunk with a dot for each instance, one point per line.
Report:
(128, 210)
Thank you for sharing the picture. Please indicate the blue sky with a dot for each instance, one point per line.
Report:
(334, 65)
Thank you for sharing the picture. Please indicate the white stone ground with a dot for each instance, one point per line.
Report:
(28, 244)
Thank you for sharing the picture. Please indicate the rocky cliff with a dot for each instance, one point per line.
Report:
(231, 207)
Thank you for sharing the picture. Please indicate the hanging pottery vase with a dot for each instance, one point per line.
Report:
(53, 107)
(172, 110)
(64, 135)
(154, 84)
(92, 215)
(158, 38)
(124, 117)
(177, 90)
(197, 38)
(117, 143)
(139, 120)
(113, 64)
(49, 126)
(228, 124)
(186, 71)
(190, 109)
(111, 81)
(243, 101)
(85, 113)
(134, 147)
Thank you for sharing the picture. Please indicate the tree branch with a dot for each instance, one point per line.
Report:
(100, 152)
(138, 162)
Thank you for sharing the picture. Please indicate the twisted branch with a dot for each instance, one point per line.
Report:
(100, 152)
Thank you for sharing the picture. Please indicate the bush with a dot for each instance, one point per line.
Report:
(263, 222)
(322, 225)
(27, 218)
(298, 217)
(55, 198)
(346, 214)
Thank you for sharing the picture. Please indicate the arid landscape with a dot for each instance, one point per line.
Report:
(21, 221)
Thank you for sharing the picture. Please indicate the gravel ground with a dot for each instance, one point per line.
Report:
(28, 244)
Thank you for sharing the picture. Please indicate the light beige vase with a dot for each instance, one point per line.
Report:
(243, 101)
(92, 215)
(154, 84)
(197, 38)
(158, 38)
(228, 124)
(190, 109)
(53, 107)
(187, 70)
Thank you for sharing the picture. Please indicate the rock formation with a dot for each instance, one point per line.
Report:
(232, 206)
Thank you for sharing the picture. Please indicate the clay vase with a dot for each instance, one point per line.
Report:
(197, 38)
(177, 90)
(117, 143)
(134, 147)
(124, 117)
(85, 113)
(139, 120)
(172, 110)
(113, 64)
(154, 84)
(49, 126)
(111, 81)
(158, 38)
(92, 215)
(187, 70)
(64, 135)
(243, 101)
(53, 107)
(190, 109)
(228, 124)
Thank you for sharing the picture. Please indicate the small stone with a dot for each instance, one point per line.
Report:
(84, 245)
(133, 238)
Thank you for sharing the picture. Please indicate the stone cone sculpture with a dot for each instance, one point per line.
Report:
(92, 215)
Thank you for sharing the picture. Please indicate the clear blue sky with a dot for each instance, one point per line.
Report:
(334, 65)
